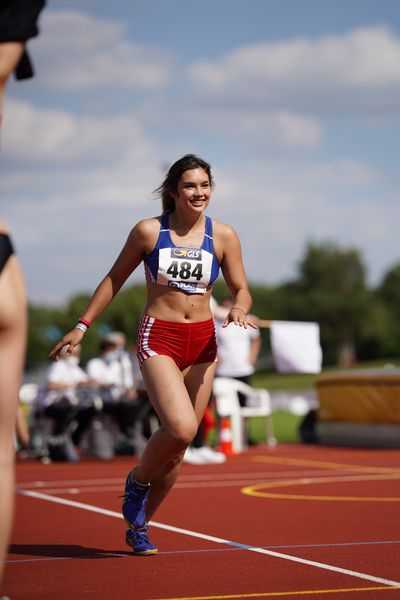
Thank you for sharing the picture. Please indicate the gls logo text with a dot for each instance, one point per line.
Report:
(189, 253)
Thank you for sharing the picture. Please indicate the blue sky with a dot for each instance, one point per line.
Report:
(295, 103)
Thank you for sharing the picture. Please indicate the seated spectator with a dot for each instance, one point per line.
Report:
(123, 367)
(58, 399)
(100, 372)
(111, 375)
(22, 436)
(147, 418)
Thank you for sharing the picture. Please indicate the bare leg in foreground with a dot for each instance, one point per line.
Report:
(10, 54)
(12, 352)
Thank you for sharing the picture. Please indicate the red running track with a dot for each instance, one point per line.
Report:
(298, 521)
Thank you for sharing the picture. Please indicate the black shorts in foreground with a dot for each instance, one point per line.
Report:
(6, 249)
(18, 23)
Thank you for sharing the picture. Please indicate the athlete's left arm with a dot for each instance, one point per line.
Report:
(235, 276)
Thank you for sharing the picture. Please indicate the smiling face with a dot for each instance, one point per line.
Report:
(193, 191)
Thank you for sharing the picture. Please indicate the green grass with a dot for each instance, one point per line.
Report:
(276, 381)
(286, 427)
(285, 424)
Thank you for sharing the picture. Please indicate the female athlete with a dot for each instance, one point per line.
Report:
(182, 251)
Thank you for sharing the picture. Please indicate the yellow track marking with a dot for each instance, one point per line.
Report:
(276, 594)
(257, 489)
(321, 464)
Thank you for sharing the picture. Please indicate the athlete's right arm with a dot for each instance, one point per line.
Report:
(140, 241)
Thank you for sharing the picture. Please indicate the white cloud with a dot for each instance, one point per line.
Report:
(276, 128)
(355, 72)
(35, 135)
(77, 51)
(69, 226)
(340, 173)
(77, 183)
(278, 206)
(277, 185)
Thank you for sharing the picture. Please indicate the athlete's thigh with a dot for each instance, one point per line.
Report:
(12, 296)
(198, 381)
(12, 344)
(166, 389)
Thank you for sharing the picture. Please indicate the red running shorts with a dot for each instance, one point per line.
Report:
(186, 343)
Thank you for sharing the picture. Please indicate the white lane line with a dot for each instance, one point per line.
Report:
(177, 486)
(211, 538)
(256, 488)
(198, 551)
(184, 478)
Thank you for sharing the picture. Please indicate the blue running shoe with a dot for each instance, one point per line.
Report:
(134, 503)
(139, 541)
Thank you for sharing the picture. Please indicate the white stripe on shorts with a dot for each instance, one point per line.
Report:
(143, 350)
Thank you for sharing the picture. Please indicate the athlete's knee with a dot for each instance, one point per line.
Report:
(183, 432)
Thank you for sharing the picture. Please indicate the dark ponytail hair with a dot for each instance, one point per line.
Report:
(170, 183)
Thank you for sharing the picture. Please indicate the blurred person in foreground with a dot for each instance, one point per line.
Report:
(182, 250)
(13, 321)
(17, 24)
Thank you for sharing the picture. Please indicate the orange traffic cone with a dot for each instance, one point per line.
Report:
(225, 437)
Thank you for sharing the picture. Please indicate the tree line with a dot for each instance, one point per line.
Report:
(357, 322)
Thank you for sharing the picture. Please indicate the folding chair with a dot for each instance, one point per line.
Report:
(258, 404)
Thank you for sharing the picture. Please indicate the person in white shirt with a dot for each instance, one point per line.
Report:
(111, 373)
(62, 380)
(58, 397)
(100, 369)
(123, 367)
(238, 347)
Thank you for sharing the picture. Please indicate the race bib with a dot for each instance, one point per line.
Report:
(188, 269)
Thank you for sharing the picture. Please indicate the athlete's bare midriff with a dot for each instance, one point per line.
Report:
(177, 306)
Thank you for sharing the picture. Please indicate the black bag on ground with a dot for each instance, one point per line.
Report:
(307, 429)
(61, 448)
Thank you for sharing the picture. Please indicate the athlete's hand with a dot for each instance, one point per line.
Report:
(70, 340)
(239, 317)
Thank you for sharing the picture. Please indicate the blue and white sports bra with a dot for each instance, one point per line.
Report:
(192, 270)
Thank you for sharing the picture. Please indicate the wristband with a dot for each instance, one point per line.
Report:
(81, 326)
(85, 322)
